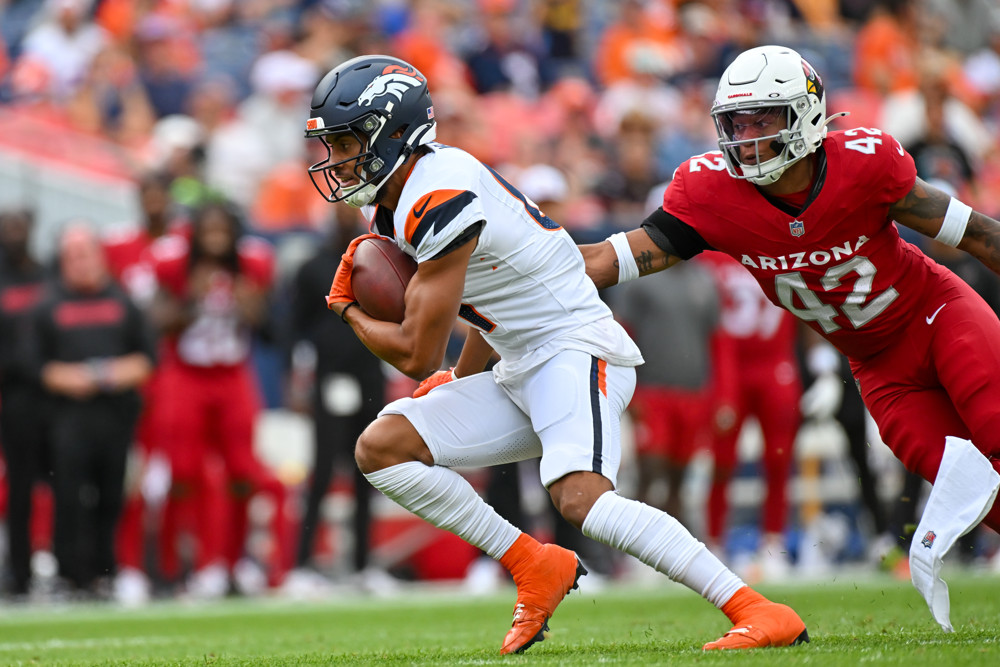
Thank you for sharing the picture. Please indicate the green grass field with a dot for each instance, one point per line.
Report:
(877, 621)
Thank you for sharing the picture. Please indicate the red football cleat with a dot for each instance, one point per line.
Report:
(542, 583)
(759, 623)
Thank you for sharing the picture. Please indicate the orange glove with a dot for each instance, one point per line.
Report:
(340, 290)
(435, 380)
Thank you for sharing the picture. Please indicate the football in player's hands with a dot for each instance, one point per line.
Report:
(379, 278)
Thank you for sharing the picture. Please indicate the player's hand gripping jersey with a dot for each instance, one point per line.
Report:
(525, 288)
(839, 264)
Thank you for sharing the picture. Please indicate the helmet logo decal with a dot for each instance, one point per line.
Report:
(394, 80)
(814, 84)
(314, 124)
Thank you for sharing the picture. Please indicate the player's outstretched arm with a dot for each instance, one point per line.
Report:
(934, 213)
(604, 260)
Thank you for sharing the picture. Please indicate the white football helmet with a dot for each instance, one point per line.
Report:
(778, 79)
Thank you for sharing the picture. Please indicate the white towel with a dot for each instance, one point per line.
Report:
(963, 493)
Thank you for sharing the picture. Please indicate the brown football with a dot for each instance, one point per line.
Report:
(379, 278)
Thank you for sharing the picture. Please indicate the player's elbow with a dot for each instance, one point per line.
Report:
(420, 367)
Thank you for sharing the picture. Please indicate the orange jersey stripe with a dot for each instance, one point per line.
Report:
(602, 376)
(427, 202)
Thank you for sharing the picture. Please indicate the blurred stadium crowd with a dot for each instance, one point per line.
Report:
(183, 120)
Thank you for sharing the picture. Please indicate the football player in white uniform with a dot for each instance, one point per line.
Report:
(487, 254)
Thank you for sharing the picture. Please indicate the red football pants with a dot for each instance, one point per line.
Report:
(204, 415)
(770, 391)
(669, 422)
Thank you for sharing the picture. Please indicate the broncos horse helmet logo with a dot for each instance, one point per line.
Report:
(394, 80)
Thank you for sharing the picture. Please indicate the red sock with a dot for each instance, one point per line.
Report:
(130, 538)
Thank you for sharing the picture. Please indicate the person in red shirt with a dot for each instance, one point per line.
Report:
(213, 294)
(761, 379)
(810, 215)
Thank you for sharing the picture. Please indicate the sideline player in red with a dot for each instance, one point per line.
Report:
(213, 291)
(810, 215)
(758, 376)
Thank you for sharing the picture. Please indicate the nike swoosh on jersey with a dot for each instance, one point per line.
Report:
(930, 320)
(417, 213)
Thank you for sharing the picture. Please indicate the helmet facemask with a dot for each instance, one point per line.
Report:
(788, 143)
(369, 169)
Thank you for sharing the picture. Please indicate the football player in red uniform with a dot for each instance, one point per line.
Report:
(213, 291)
(810, 215)
(757, 376)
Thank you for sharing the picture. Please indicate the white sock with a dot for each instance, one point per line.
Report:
(445, 499)
(660, 541)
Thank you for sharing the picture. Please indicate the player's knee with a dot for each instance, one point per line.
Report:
(388, 441)
(575, 494)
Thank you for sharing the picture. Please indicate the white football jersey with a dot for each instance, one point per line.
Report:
(526, 288)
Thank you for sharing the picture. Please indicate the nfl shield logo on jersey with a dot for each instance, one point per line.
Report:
(928, 540)
(797, 227)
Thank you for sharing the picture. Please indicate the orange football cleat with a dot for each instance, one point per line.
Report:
(544, 575)
(758, 622)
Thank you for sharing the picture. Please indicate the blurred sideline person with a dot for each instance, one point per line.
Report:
(346, 390)
(674, 321)
(810, 215)
(129, 254)
(566, 369)
(760, 378)
(94, 349)
(22, 418)
(213, 292)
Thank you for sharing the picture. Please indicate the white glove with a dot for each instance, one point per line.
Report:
(822, 399)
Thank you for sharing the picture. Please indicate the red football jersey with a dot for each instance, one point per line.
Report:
(758, 330)
(215, 338)
(840, 265)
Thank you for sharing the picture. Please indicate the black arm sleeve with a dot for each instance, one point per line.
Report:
(674, 236)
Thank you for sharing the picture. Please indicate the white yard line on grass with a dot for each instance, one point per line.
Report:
(97, 642)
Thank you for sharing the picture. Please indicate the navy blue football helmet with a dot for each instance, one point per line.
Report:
(371, 98)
